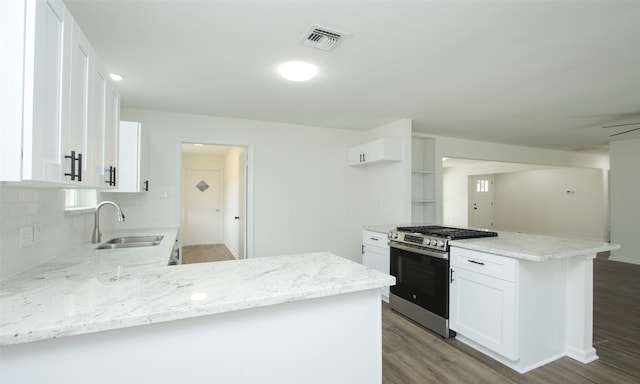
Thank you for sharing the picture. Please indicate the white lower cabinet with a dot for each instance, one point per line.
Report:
(510, 309)
(484, 310)
(375, 254)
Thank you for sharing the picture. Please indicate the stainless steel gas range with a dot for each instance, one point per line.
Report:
(420, 263)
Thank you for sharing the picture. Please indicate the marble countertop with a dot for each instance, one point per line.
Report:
(92, 291)
(379, 228)
(533, 247)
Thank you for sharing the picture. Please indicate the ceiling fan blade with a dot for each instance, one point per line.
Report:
(620, 133)
(620, 125)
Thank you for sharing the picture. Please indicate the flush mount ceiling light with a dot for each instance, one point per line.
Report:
(116, 77)
(297, 70)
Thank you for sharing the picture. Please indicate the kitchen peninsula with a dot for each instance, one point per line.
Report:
(125, 316)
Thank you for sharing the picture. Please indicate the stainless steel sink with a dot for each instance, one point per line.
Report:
(132, 242)
(135, 239)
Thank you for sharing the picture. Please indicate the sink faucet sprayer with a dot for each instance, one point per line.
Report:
(96, 229)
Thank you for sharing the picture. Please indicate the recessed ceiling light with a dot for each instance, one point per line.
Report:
(116, 77)
(297, 70)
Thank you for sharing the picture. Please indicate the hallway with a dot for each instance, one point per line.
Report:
(203, 253)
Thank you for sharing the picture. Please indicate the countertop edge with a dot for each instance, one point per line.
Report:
(344, 276)
(546, 247)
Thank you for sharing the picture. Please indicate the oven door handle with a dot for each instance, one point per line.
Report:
(425, 252)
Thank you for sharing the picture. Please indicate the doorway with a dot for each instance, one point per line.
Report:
(481, 201)
(214, 202)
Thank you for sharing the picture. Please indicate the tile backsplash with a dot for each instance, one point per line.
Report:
(40, 210)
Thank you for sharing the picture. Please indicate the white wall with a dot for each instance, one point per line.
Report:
(538, 202)
(43, 209)
(305, 196)
(625, 200)
(388, 186)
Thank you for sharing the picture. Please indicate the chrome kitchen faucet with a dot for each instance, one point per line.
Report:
(96, 228)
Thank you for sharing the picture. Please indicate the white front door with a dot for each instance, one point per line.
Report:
(202, 205)
(481, 201)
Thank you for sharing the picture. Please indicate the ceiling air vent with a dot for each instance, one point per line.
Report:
(323, 38)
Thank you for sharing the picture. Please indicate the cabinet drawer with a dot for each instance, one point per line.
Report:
(484, 263)
(375, 239)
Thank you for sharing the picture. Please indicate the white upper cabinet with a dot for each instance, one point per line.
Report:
(386, 149)
(55, 128)
(133, 150)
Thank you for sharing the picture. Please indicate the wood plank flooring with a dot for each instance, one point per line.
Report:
(412, 354)
(204, 253)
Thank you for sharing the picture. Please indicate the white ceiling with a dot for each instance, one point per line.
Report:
(536, 73)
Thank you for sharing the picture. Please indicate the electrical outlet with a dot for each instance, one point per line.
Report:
(26, 236)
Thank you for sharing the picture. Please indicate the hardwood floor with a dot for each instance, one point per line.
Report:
(412, 354)
(205, 253)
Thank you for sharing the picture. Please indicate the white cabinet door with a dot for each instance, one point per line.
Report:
(375, 254)
(12, 19)
(355, 155)
(378, 259)
(99, 79)
(132, 154)
(46, 77)
(483, 309)
(77, 134)
(110, 144)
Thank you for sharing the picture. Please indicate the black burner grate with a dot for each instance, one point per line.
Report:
(448, 232)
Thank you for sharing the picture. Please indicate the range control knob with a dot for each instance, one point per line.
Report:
(393, 235)
(427, 241)
(440, 243)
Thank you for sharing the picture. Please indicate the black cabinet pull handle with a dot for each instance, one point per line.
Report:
(73, 165)
(146, 185)
(451, 275)
(73, 159)
(114, 177)
(476, 262)
(79, 166)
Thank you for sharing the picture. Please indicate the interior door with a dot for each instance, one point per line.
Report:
(481, 201)
(201, 190)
